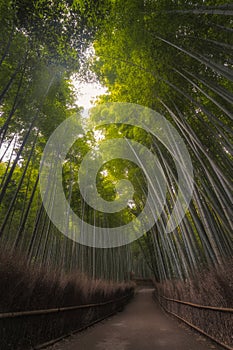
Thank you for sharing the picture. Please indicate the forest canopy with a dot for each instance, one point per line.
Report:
(174, 57)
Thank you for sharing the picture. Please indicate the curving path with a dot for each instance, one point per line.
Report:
(141, 326)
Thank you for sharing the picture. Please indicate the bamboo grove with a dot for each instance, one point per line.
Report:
(174, 57)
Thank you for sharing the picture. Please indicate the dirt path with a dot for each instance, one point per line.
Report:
(141, 326)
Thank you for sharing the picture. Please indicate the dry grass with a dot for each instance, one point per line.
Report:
(211, 287)
(24, 287)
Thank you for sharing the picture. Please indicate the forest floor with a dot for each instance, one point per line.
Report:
(141, 326)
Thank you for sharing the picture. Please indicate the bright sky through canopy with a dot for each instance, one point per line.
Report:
(88, 92)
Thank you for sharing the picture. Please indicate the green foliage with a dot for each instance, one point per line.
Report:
(174, 57)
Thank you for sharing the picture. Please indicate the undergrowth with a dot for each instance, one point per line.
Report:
(25, 287)
(211, 287)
